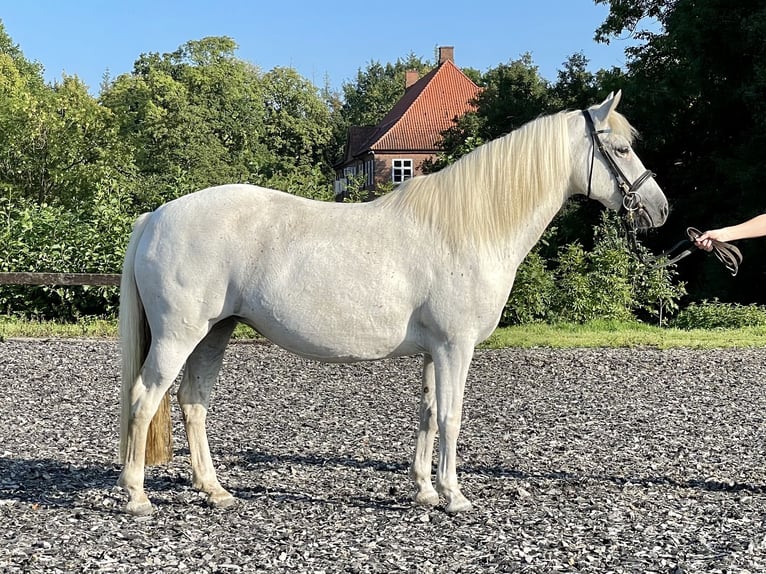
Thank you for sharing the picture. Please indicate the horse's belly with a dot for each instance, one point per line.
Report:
(338, 343)
(337, 329)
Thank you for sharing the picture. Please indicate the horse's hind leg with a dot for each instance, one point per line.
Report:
(420, 471)
(160, 369)
(199, 376)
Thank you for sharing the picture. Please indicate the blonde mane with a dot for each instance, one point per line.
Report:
(492, 191)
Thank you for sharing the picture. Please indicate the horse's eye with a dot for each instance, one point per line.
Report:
(623, 150)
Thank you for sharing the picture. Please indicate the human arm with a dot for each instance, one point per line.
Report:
(755, 227)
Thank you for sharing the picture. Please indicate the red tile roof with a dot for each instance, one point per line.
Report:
(427, 108)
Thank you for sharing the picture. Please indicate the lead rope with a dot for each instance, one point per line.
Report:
(726, 253)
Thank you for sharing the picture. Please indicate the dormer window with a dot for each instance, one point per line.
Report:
(401, 170)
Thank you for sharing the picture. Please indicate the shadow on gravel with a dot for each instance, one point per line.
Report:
(575, 479)
(58, 484)
(264, 459)
(258, 460)
(284, 496)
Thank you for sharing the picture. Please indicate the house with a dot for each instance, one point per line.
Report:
(394, 150)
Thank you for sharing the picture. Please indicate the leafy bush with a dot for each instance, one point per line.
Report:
(593, 285)
(717, 315)
(47, 238)
(655, 291)
(607, 283)
(532, 293)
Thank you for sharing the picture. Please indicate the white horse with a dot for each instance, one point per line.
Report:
(424, 270)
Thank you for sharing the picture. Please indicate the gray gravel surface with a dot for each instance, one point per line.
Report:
(628, 460)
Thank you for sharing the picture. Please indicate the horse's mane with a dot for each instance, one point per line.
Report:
(491, 191)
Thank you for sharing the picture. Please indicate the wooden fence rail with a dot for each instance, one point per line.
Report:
(23, 278)
(159, 442)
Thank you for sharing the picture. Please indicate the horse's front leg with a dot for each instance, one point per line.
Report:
(420, 471)
(451, 366)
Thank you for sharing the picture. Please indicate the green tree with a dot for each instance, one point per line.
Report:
(194, 117)
(200, 116)
(629, 16)
(32, 72)
(59, 146)
(575, 88)
(297, 123)
(512, 94)
(695, 88)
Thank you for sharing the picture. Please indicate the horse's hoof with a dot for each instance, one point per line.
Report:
(221, 501)
(139, 508)
(426, 498)
(459, 504)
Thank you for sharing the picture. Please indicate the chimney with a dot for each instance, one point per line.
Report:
(446, 53)
(410, 77)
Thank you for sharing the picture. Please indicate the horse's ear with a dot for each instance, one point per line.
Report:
(601, 113)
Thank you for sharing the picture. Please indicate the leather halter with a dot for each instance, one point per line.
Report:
(631, 199)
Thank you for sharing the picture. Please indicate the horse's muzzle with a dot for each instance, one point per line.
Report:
(640, 215)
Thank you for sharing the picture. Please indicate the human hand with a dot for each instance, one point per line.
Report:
(705, 241)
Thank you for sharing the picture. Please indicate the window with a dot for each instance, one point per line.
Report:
(401, 170)
(369, 168)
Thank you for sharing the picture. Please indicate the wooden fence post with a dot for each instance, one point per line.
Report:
(159, 440)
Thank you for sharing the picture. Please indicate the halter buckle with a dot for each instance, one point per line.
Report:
(631, 201)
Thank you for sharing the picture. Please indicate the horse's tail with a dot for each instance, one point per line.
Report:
(134, 330)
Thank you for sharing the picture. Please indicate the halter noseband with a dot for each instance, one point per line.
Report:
(631, 199)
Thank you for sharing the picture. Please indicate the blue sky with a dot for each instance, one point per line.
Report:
(326, 42)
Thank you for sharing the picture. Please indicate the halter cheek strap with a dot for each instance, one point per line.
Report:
(596, 141)
(630, 199)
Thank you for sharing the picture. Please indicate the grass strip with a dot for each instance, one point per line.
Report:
(588, 335)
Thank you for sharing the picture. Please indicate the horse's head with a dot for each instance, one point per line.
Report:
(611, 171)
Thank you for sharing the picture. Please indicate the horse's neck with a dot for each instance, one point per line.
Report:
(526, 195)
(523, 238)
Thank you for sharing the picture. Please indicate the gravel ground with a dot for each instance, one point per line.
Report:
(601, 461)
